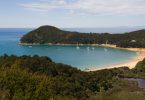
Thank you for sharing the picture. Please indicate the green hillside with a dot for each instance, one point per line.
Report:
(39, 78)
(50, 34)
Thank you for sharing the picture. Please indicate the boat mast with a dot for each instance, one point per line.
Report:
(106, 42)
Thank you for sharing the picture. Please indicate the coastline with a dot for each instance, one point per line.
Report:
(130, 64)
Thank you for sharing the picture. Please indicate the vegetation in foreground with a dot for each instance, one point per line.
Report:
(50, 34)
(39, 78)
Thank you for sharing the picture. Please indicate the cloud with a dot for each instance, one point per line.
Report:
(96, 7)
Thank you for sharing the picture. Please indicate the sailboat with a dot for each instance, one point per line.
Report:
(30, 46)
(93, 48)
(77, 46)
(106, 42)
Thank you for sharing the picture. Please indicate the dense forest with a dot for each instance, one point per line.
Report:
(39, 78)
(50, 34)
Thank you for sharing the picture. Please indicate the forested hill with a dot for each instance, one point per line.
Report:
(50, 34)
(39, 78)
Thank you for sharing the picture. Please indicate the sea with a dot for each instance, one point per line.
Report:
(82, 57)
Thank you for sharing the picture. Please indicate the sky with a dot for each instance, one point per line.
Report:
(71, 13)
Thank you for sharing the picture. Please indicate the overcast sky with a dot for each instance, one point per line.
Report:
(72, 13)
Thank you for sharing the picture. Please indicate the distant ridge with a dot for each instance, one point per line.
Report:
(112, 30)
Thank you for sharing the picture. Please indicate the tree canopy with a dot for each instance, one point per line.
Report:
(39, 78)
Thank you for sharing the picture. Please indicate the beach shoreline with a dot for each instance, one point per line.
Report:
(130, 64)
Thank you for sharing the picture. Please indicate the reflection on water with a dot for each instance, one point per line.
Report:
(93, 48)
(88, 48)
(77, 47)
(105, 49)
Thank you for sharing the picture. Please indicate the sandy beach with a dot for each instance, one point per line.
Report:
(131, 64)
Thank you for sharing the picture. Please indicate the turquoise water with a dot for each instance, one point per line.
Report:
(84, 57)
